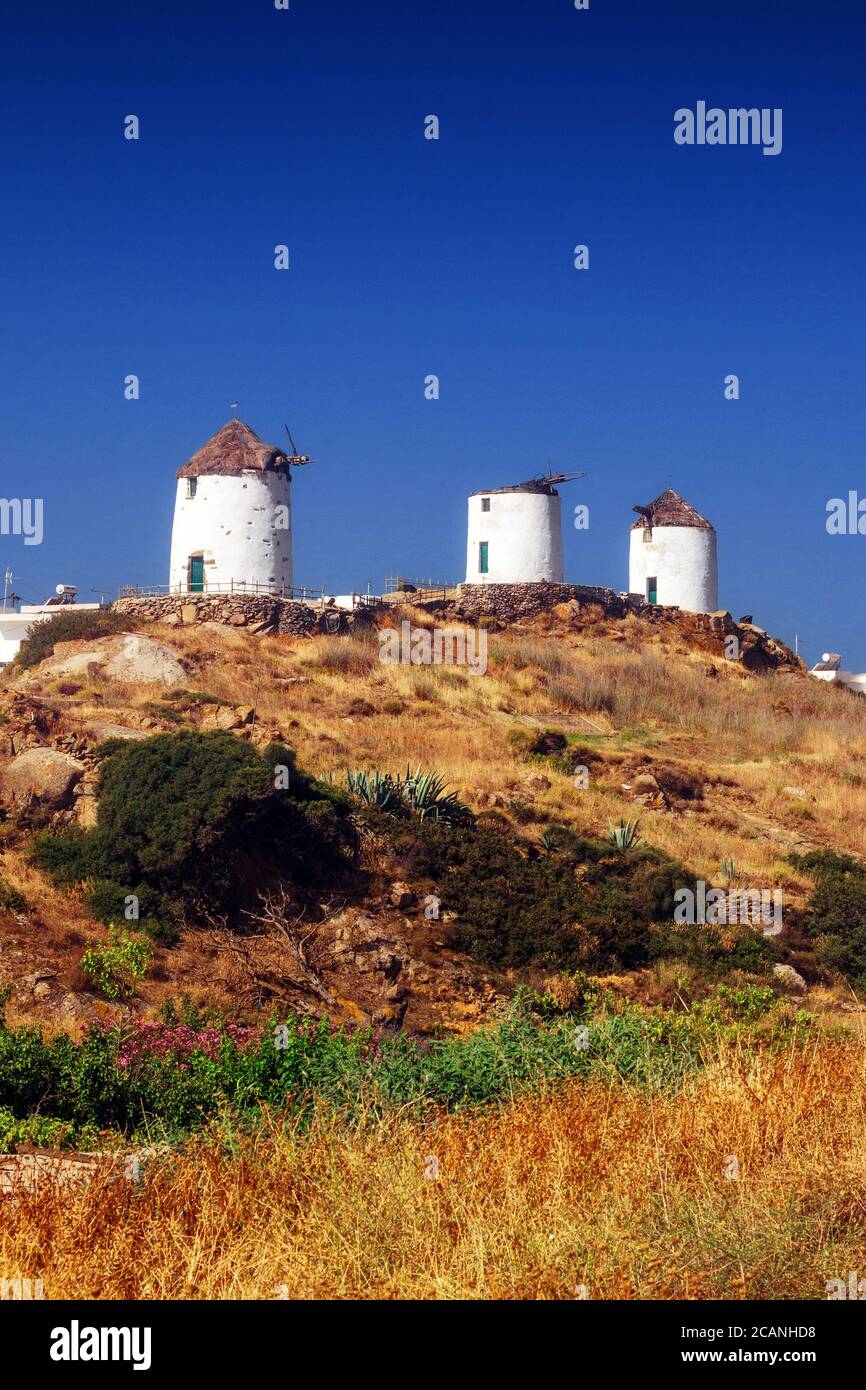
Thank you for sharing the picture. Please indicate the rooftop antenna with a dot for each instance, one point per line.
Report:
(294, 457)
(7, 580)
(233, 406)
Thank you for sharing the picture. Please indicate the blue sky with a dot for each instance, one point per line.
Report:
(452, 257)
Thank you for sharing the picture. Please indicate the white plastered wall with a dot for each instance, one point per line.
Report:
(523, 531)
(683, 561)
(242, 526)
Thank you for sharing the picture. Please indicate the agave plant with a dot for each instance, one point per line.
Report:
(376, 789)
(418, 793)
(425, 796)
(729, 871)
(625, 835)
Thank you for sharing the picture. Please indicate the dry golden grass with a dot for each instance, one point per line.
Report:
(626, 689)
(607, 1187)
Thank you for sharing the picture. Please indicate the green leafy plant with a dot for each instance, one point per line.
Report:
(625, 835)
(580, 908)
(377, 789)
(171, 1078)
(425, 795)
(192, 823)
(420, 794)
(836, 914)
(10, 898)
(116, 967)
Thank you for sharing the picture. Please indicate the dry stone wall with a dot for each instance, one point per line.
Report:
(258, 612)
(510, 602)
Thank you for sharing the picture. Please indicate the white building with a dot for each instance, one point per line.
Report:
(514, 535)
(672, 556)
(233, 515)
(15, 624)
(827, 669)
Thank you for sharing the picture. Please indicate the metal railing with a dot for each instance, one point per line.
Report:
(416, 588)
(236, 586)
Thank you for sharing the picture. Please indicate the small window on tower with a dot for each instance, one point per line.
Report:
(482, 557)
(485, 504)
(191, 484)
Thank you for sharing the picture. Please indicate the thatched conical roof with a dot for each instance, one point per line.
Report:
(232, 451)
(669, 509)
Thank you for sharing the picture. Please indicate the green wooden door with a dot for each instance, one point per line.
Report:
(196, 574)
(652, 590)
(482, 557)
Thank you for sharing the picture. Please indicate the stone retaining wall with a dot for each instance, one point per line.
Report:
(258, 612)
(509, 602)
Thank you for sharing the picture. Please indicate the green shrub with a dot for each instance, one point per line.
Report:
(44, 1132)
(581, 905)
(116, 967)
(836, 913)
(68, 624)
(196, 824)
(168, 1079)
(166, 712)
(109, 902)
(712, 952)
(11, 899)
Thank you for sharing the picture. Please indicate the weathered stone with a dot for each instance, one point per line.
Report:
(102, 730)
(42, 775)
(790, 978)
(227, 716)
(402, 895)
(568, 610)
(644, 783)
(129, 658)
(78, 1005)
(509, 603)
(38, 976)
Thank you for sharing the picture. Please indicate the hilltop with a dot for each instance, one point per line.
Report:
(502, 1071)
(734, 768)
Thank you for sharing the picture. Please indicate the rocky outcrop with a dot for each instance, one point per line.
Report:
(575, 603)
(130, 658)
(41, 777)
(789, 978)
